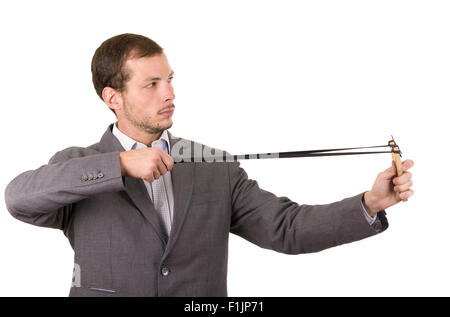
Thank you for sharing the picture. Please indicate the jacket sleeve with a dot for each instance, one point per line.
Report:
(46, 196)
(280, 224)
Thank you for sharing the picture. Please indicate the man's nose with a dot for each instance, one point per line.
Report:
(170, 95)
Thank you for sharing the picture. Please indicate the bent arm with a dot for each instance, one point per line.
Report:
(45, 196)
(279, 224)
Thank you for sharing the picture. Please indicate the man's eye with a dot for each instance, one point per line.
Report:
(151, 84)
(170, 78)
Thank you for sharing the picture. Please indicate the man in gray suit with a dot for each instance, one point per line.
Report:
(141, 225)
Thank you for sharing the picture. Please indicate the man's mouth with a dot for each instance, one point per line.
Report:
(168, 112)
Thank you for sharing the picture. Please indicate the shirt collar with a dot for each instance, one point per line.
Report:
(129, 144)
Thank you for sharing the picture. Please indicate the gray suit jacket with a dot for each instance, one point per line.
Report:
(119, 242)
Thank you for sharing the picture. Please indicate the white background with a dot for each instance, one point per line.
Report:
(250, 76)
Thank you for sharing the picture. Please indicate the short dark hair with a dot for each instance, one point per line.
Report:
(107, 65)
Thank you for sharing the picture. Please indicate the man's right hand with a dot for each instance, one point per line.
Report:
(148, 163)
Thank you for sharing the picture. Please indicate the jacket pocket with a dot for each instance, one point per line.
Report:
(104, 290)
(92, 292)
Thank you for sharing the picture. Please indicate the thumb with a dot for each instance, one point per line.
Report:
(389, 172)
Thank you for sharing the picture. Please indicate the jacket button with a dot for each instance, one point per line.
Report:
(90, 176)
(84, 177)
(165, 271)
(100, 175)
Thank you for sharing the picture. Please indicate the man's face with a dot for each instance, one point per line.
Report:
(148, 94)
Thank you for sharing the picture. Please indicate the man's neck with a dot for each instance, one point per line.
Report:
(139, 135)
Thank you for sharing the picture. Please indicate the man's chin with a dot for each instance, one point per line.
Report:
(168, 126)
(165, 126)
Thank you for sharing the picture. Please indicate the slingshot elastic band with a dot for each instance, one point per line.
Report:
(394, 149)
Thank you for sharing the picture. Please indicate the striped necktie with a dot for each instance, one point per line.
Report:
(160, 199)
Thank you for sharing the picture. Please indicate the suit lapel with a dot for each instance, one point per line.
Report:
(135, 188)
(138, 193)
(182, 183)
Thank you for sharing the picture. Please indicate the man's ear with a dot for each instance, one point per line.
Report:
(112, 98)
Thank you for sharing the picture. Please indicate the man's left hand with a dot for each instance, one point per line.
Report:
(389, 189)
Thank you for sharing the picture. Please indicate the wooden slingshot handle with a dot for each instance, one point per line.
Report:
(398, 164)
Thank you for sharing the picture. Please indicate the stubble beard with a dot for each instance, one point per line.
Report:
(144, 123)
